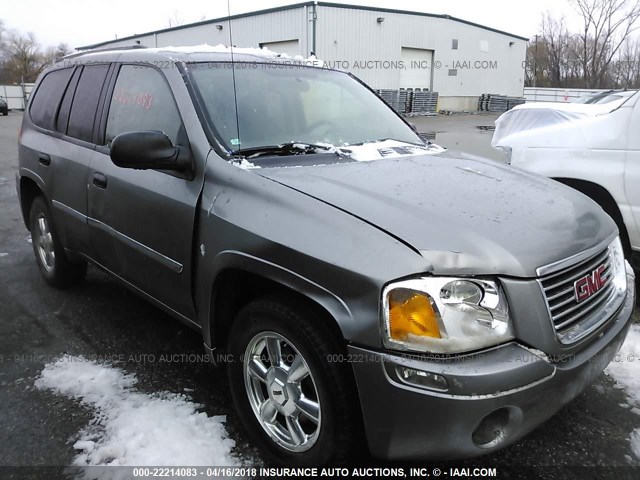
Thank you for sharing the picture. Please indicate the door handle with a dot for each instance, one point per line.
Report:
(44, 159)
(99, 180)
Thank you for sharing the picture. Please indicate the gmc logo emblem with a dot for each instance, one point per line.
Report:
(589, 284)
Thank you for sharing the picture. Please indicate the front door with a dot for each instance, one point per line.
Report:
(141, 222)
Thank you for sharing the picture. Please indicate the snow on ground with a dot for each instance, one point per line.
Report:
(625, 370)
(133, 428)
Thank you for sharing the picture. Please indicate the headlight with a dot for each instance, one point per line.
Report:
(445, 315)
(508, 152)
(618, 273)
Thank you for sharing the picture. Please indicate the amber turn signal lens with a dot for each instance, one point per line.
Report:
(411, 313)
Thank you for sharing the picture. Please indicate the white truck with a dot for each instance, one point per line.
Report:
(592, 148)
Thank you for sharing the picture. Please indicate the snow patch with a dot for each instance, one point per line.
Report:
(387, 149)
(3, 254)
(625, 370)
(635, 442)
(257, 52)
(244, 164)
(133, 428)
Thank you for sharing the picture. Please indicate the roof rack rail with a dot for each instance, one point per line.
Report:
(103, 49)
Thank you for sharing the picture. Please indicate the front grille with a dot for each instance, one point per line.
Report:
(559, 291)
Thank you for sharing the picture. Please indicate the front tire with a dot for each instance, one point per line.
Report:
(296, 403)
(55, 266)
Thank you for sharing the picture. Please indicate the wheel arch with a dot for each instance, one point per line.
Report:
(28, 189)
(605, 199)
(241, 278)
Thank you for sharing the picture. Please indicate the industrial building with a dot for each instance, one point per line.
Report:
(388, 49)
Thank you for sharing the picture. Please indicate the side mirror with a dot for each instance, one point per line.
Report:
(148, 150)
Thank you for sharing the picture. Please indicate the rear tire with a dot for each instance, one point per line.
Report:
(55, 266)
(296, 404)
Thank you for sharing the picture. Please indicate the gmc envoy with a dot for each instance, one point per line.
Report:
(371, 288)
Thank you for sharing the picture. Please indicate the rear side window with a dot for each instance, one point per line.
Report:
(47, 97)
(85, 102)
(142, 100)
(65, 106)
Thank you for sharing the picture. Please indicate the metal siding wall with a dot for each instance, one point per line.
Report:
(354, 35)
(272, 27)
(246, 32)
(146, 40)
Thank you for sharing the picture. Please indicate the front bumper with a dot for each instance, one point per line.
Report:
(493, 398)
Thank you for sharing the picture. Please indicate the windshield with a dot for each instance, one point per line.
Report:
(278, 104)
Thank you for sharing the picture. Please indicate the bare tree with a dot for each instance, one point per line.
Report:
(174, 20)
(547, 54)
(606, 25)
(626, 69)
(23, 57)
(556, 38)
(53, 54)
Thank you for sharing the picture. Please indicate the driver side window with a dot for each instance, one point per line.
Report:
(142, 100)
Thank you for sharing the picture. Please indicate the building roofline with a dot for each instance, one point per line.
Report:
(420, 14)
(300, 5)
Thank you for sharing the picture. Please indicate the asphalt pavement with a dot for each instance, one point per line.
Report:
(100, 319)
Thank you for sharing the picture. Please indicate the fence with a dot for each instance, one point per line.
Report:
(563, 95)
(16, 95)
(411, 101)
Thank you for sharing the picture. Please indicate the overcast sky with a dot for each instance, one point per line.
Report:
(82, 22)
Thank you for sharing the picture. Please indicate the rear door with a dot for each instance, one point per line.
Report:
(60, 146)
(75, 121)
(141, 222)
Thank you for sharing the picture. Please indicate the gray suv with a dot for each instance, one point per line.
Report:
(361, 286)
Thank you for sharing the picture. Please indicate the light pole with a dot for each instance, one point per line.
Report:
(535, 61)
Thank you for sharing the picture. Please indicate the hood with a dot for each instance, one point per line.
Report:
(463, 214)
(562, 125)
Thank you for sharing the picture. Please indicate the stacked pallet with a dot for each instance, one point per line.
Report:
(423, 101)
(513, 101)
(411, 101)
(489, 102)
(392, 98)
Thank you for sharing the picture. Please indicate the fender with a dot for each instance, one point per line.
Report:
(230, 259)
(24, 172)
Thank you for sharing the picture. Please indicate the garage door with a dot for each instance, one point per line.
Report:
(418, 71)
(290, 47)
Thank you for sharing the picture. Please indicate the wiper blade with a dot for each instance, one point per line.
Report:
(289, 148)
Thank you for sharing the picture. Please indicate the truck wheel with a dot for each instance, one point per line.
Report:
(54, 265)
(293, 400)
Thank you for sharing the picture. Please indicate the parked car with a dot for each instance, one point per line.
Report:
(592, 148)
(368, 289)
(4, 107)
(605, 97)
